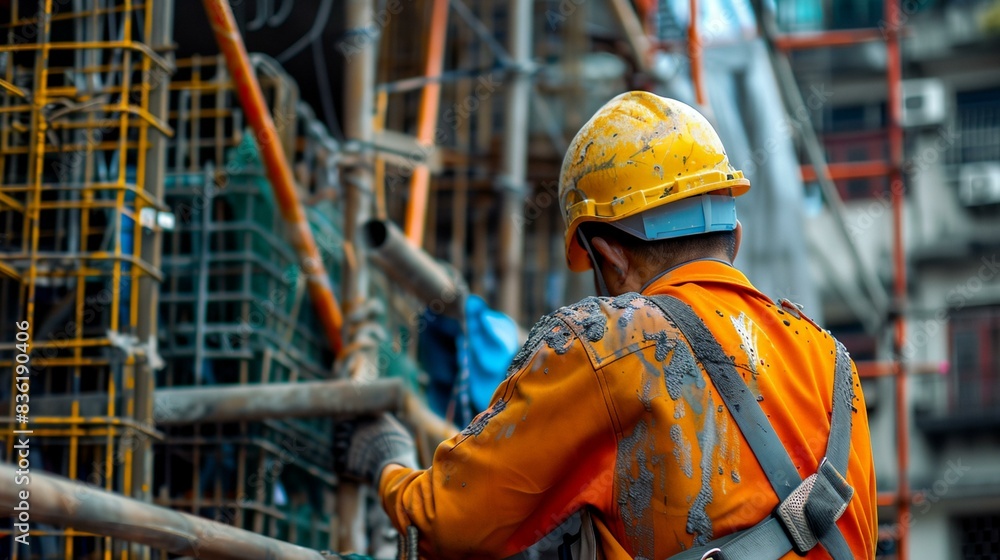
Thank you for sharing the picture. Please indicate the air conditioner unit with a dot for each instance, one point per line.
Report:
(923, 103)
(979, 183)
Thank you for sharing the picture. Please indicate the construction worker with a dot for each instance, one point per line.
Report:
(685, 416)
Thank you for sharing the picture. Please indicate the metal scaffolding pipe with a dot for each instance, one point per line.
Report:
(796, 105)
(276, 164)
(894, 78)
(359, 130)
(515, 158)
(338, 398)
(635, 35)
(415, 270)
(59, 501)
(694, 55)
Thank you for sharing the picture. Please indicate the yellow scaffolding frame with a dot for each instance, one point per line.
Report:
(76, 194)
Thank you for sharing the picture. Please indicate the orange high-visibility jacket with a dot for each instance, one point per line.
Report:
(602, 413)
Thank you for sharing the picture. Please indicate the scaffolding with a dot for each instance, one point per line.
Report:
(234, 309)
(82, 133)
(891, 314)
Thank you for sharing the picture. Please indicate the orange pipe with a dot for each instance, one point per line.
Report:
(378, 125)
(694, 52)
(430, 100)
(279, 172)
(885, 498)
(895, 102)
(885, 369)
(849, 170)
(894, 82)
(814, 40)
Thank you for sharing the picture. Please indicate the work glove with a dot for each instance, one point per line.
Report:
(364, 447)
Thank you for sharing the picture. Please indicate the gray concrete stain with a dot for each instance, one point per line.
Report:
(664, 343)
(681, 370)
(679, 410)
(479, 423)
(699, 523)
(682, 450)
(541, 331)
(625, 302)
(635, 493)
(588, 315)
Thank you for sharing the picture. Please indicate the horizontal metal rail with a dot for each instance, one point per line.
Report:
(339, 398)
(58, 501)
(414, 270)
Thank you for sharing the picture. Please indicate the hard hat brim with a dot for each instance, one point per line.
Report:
(585, 211)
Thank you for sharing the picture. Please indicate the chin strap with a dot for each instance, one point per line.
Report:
(602, 288)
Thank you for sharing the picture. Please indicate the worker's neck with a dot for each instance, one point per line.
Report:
(645, 273)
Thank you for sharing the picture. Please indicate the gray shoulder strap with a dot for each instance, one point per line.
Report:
(823, 506)
(838, 447)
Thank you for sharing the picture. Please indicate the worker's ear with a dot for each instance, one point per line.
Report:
(615, 265)
(739, 239)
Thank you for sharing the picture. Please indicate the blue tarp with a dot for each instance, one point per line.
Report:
(466, 363)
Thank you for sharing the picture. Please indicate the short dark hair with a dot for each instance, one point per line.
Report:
(666, 250)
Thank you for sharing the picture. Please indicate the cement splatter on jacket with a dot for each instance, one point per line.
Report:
(606, 409)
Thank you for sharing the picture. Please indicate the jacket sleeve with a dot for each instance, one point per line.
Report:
(543, 450)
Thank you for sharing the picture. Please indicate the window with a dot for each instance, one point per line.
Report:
(859, 343)
(979, 537)
(975, 358)
(858, 147)
(977, 127)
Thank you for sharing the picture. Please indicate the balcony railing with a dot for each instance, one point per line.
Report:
(956, 401)
(977, 128)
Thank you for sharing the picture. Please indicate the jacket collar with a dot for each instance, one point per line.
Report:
(699, 272)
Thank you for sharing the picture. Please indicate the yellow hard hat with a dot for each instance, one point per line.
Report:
(638, 152)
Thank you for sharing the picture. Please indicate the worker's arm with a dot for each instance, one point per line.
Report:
(543, 450)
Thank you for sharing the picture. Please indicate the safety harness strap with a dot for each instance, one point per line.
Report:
(766, 539)
(838, 447)
(809, 509)
(821, 507)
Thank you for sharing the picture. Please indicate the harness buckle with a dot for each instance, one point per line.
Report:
(790, 514)
(814, 507)
(711, 554)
